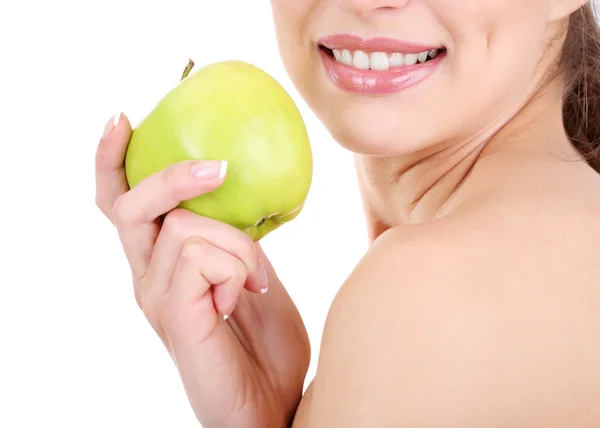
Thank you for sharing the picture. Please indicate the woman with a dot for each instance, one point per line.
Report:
(476, 129)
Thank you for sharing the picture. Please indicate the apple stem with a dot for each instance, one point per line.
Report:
(188, 68)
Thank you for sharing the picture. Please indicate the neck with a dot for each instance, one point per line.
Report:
(432, 183)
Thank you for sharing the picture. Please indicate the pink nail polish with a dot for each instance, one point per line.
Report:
(207, 170)
(262, 277)
(111, 124)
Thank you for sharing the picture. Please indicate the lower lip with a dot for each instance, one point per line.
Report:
(374, 82)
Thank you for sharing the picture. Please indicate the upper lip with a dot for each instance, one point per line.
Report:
(375, 44)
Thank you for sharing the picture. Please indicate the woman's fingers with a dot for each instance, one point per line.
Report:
(136, 211)
(179, 226)
(206, 283)
(111, 182)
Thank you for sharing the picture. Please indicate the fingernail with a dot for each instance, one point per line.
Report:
(111, 124)
(262, 277)
(209, 169)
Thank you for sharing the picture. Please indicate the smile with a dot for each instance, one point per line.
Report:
(377, 66)
(381, 60)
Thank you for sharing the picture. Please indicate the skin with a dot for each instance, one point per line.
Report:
(477, 303)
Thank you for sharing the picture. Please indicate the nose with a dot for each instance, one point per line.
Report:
(366, 7)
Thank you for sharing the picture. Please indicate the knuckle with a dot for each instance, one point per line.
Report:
(171, 176)
(239, 272)
(100, 204)
(174, 224)
(120, 210)
(194, 249)
(246, 250)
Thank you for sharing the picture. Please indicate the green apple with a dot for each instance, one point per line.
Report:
(231, 111)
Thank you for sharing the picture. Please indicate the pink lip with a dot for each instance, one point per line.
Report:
(375, 82)
(378, 44)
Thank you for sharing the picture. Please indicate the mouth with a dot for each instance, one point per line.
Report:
(377, 66)
(380, 61)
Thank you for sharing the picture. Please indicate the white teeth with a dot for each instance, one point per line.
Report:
(361, 60)
(410, 59)
(396, 60)
(380, 60)
(346, 57)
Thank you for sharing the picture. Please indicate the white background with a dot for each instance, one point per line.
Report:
(75, 351)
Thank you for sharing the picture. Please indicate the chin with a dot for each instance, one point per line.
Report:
(378, 137)
(378, 126)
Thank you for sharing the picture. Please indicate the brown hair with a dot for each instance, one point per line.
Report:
(581, 64)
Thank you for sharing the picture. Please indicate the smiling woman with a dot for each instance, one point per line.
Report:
(475, 127)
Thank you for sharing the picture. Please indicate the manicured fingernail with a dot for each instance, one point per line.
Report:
(262, 277)
(209, 169)
(111, 124)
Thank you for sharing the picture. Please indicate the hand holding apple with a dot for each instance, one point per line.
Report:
(191, 272)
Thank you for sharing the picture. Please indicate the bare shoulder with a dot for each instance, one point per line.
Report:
(460, 325)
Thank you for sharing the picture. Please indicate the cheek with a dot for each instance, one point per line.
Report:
(291, 20)
(487, 30)
(283, 20)
(495, 48)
